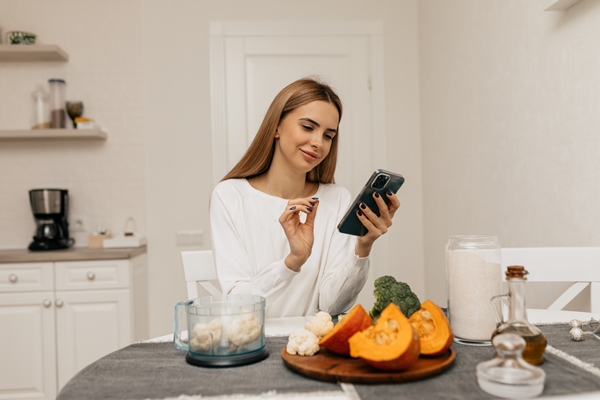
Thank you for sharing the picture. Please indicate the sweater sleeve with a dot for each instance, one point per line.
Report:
(235, 270)
(344, 274)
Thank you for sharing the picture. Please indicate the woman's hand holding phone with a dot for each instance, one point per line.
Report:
(376, 225)
(300, 235)
(370, 214)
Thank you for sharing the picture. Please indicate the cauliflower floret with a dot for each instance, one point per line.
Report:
(244, 329)
(303, 342)
(319, 324)
(205, 337)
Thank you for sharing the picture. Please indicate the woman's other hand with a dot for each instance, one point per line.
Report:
(300, 235)
(377, 226)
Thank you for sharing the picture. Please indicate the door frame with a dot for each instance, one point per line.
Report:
(219, 31)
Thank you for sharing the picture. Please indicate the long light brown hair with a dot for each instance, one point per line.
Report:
(258, 157)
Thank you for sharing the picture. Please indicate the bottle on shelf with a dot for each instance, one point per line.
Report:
(41, 114)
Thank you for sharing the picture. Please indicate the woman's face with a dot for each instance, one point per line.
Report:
(305, 135)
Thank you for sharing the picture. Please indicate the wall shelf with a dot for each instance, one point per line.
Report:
(51, 134)
(31, 53)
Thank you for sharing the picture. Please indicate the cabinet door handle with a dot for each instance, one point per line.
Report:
(13, 278)
(47, 303)
(91, 276)
(59, 303)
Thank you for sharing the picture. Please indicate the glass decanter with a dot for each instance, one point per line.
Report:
(517, 323)
(508, 375)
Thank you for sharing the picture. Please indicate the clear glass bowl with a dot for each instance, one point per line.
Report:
(222, 330)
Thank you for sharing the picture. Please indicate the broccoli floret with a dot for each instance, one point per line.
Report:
(389, 290)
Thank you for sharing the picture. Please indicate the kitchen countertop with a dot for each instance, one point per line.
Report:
(72, 254)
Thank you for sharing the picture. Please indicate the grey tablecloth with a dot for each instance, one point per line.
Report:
(158, 370)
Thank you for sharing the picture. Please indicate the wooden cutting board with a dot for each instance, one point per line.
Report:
(328, 366)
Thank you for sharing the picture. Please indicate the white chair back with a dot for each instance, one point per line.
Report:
(580, 265)
(199, 269)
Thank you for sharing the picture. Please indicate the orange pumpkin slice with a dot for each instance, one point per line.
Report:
(336, 339)
(392, 344)
(433, 328)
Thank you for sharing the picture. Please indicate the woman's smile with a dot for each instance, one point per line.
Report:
(309, 155)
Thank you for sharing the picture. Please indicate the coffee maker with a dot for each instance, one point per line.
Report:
(50, 208)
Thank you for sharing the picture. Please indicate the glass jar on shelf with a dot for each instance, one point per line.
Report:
(41, 114)
(58, 113)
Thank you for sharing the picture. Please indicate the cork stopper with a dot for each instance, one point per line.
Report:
(516, 271)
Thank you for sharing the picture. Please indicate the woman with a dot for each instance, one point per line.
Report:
(274, 215)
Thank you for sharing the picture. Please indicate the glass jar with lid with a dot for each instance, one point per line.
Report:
(473, 277)
(58, 113)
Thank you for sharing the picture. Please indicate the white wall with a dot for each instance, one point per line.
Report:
(510, 124)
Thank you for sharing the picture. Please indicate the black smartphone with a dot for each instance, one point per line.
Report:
(380, 182)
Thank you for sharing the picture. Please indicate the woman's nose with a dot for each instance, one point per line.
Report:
(316, 140)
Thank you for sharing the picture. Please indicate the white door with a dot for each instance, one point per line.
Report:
(252, 62)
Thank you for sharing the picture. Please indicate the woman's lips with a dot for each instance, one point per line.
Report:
(310, 156)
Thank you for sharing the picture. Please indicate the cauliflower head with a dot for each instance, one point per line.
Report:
(303, 342)
(244, 329)
(319, 324)
(389, 290)
(206, 337)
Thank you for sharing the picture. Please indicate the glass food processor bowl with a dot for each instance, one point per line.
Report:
(222, 331)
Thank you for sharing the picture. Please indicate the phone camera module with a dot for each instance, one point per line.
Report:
(381, 181)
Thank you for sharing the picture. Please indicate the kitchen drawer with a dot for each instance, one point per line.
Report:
(25, 277)
(77, 275)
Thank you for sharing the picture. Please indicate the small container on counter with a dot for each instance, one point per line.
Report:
(97, 238)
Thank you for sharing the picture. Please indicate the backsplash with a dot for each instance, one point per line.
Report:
(105, 179)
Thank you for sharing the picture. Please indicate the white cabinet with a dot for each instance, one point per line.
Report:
(56, 318)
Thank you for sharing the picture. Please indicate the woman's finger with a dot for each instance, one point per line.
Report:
(394, 203)
(384, 211)
(373, 232)
(312, 212)
(292, 212)
(382, 222)
(289, 214)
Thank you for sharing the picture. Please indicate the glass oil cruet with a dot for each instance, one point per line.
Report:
(517, 323)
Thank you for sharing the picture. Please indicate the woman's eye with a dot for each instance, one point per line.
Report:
(307, 127)
(329, 136)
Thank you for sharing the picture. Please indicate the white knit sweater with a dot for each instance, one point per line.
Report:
(250, 247)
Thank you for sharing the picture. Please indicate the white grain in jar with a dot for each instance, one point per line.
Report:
(474, 276)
